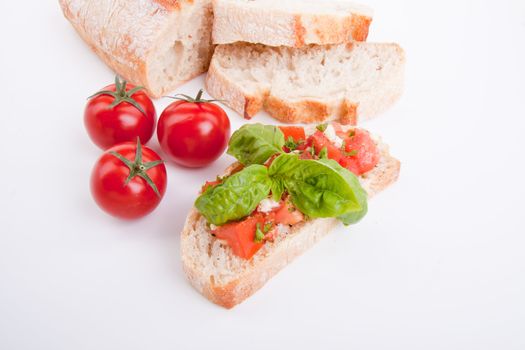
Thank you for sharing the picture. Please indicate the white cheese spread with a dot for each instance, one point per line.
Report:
(267, 205)
(332, 136)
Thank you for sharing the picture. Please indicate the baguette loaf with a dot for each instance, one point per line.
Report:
(158, 44)
(293, 23)
(228, 280)
(307, 85)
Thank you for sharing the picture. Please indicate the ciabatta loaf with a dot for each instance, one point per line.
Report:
(226, 279)
(294, 23)
(158, 44)
(311, 84)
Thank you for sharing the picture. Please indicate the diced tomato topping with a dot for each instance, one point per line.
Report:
(350, 164)
(286, 214)
(241, 235)
(209, 184)
(306, 155)
(362, 154)
(301, 146)
(296, 132)
(319, 141)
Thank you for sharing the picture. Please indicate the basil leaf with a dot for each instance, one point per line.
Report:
(237, 197)
(350, 217)
(316, 188)
(256, 143)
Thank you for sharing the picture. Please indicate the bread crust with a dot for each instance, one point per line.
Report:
(123, 48)
(245, 284)
(236, 21)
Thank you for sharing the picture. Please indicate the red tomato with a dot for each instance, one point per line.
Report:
(286, 214)
(120, 112)
(306, 155)
(193, 132)
(296, 132)
(241, 235)
(362, 153)
(298, 136)
(128, 181)
(319, 141)
(350, 164)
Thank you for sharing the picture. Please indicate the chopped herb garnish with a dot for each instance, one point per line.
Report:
(267, 227)
(291, 144)
(351, 133)
(348, 154)
(322, 127)
(259, 235)
(324, 153)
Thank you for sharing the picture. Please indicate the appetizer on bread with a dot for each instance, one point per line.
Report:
(290, 187)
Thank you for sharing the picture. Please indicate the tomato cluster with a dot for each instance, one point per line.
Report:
(129, 180)
(359, 153)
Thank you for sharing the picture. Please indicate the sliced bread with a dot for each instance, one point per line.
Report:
(228, 280)
(310, 84)
(292, 23)
(158, 44)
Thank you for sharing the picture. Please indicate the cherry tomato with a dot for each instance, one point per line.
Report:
(193, 132)
(118, 113)
(128, 181)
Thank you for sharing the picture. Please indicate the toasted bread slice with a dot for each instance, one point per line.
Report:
(308, 85)
(294, 23)
(228, 280)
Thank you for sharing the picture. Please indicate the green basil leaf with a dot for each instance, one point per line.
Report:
(316, 188)
(353, 216)
(256, 143)
(237, 197)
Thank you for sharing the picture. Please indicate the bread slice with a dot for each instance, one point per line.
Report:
(312, 84)
(293, 23)
(158, 44)
(228, 280)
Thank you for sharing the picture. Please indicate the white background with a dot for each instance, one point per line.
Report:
(439, 262)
